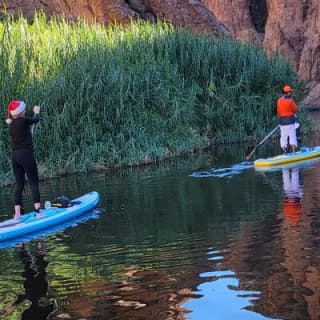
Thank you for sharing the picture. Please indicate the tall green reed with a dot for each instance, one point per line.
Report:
(118, 96)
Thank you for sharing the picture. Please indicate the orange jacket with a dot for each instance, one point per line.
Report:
(286, 107)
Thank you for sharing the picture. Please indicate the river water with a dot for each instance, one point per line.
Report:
(171, 242)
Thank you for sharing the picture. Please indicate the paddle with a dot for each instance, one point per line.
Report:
(261, 142)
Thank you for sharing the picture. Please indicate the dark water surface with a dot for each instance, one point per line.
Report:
(171, 246)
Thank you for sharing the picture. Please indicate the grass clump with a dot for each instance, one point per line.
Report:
(118, 96)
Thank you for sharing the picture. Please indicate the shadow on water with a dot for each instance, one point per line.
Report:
(34, 301)
(168, 246)
(35, 283)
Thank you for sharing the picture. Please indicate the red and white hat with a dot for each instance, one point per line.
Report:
(15, 107)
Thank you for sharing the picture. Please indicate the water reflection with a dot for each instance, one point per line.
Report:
(39, 306)
(35, 302)
(293, 189)
(269, 270)
(168, 247)
(214, 296)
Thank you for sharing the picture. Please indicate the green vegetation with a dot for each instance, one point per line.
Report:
(121, 96)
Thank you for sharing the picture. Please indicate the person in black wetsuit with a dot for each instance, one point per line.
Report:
(23, 159)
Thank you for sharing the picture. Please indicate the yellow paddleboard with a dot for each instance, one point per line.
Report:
(302, 155)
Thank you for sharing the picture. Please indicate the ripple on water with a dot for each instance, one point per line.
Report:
(220, 248)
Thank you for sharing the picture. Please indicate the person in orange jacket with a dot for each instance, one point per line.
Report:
(286, 110)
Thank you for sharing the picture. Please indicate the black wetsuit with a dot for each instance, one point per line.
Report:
(23, 160)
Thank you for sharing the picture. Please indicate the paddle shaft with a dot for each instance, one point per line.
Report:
(262, 141)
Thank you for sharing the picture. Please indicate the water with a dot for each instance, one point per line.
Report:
(168, 245)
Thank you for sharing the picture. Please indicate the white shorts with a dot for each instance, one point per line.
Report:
(288, 131)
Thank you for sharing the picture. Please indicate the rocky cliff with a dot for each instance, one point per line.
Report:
(288, 27)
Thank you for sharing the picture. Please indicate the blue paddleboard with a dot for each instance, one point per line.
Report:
(31, 223)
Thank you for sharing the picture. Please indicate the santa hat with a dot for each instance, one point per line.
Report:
(15, 107)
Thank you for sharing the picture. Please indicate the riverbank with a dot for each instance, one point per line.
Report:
(124, 96)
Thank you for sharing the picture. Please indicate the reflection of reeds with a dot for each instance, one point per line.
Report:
(128, 95)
